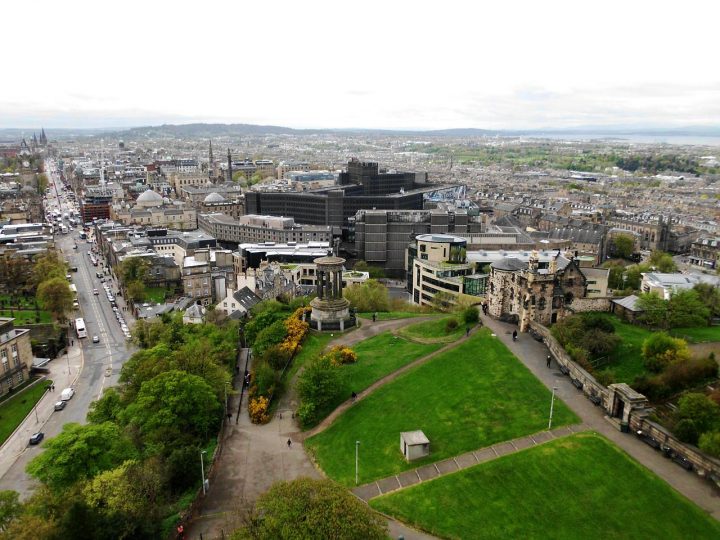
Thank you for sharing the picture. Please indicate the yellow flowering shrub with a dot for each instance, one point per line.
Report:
(257, 408)
(341, 354)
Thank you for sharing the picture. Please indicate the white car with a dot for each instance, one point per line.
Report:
(95, 339)
(67, 394)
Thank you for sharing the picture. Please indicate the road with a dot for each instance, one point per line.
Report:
(93, 368)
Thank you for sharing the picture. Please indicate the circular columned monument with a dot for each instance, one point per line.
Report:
(330, 311)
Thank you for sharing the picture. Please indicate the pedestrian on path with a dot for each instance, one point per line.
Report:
(467, 331)
(548, 360)
(289, 443)
(354, 396)
(514, 335)
(374, 316)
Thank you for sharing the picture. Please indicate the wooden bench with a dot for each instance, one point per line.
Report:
(577, 383)
(596, 400)
(564, 370)
(683, 462)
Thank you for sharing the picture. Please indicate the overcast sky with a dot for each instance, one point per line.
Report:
(367, 64)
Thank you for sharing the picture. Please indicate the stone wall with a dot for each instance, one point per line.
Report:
(590, 387)
(590, 304)
(704, 465)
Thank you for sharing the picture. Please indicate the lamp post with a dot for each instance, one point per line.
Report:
(552, 403)
(357, 450)
(202, 470)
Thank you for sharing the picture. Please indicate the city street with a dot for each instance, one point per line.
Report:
(92, 366)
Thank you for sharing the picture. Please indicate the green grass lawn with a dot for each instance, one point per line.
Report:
(471, 396)
(701, 334)
(157, 295)
(390, 315)
(377, 356)
(22, 302)
(312, 346)
(627, 362)
(27, 317)
(434, 330)
(580, 486)
(15, 409)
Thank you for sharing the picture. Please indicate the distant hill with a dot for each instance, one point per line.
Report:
(202, 130)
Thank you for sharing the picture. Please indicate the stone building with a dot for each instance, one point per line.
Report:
(537, 288)
(15, 354)
(705, 252)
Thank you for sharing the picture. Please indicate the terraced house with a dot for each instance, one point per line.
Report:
(15, 354)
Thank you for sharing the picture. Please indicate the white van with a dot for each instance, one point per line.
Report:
(67, 394)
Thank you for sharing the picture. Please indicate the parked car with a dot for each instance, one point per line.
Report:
(67, 394)
(36, 438)
(95, 292)
(60, 405)
(95, 339)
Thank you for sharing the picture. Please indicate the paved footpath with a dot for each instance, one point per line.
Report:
(534, 354)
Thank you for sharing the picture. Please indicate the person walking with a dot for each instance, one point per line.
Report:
(467, 331)
(289, 443)
(514, 334)
(354, 396)
(548, 360)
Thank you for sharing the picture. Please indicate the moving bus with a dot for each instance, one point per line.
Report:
(80, 328)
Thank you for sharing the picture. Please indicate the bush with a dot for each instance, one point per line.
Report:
(258, 410)
(606, 377)
(318, 386)
(686, 374)
(686, 431)
(277, 357)
(660, 350)
(699, 408)
(264, 379)
(451, 325)
(710, 443)
(470, 315)
(269, 336)
(340, 355)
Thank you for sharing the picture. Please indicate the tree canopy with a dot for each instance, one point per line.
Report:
(55, 296)
(307, 508)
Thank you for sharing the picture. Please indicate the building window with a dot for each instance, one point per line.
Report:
(4, 356)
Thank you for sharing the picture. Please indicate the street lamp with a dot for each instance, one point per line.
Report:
(202, 471)
(552, 403)
(357, 449)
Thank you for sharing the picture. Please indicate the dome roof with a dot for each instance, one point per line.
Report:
(150, 198)
(214, 197)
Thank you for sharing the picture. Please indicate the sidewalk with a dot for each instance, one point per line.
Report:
(18, 441)
(534, 354)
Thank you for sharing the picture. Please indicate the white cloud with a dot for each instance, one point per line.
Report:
(363, 64)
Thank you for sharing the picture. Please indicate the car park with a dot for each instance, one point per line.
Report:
(36, 438)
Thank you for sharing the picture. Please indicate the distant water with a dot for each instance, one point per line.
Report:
(692, 140)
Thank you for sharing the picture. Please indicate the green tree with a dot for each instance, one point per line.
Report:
(710, 443)
(42, 183)
(368, 296)
(318, 386)
(55, 296)
(654, 310)
(702, 410)
(134, 269)
(107, 408)
(623, 246)
(80, 452)
(136, 291)
(710, 296)
(129, 497)
(174, 405)
(48, 266)
(686, 309)
(662, 261)
(269, 336)
(307, 508)
(10, 507)
(660, 350)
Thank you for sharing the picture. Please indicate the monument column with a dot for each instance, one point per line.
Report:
(338, 286)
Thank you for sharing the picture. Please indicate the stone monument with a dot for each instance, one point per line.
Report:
(330, 311)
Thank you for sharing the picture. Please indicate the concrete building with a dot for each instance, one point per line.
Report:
(252, 255)
(258, 228)
(95, 204)
(179, 181)
(664, 284)
(437, 264)
(214, 203)
(704, 252)
(16, 355)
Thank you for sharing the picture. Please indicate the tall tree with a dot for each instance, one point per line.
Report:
(623, 246)
(48, 266)
(80, 452)
(55, 296)
(307, 508)
(134, 269)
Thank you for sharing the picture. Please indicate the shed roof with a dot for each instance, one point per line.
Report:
(414, 437)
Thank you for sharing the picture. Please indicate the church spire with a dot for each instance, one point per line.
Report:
(229, 173)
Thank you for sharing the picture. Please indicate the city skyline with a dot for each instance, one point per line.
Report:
(399, 66)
